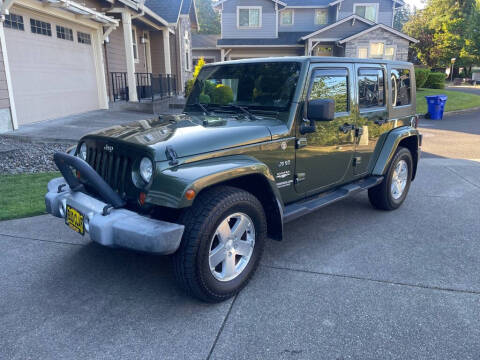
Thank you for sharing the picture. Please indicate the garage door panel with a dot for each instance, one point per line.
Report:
(51, 77)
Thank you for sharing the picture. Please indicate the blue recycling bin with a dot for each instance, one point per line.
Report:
(436, 105)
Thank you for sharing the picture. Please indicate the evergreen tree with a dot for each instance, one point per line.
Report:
(208, 19)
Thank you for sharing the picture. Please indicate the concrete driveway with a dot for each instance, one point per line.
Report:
(348, 282)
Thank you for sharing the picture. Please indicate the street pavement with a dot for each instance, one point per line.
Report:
(348, 282)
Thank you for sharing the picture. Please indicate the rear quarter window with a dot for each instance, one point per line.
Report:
(401, 91)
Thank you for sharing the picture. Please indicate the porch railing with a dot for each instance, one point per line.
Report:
(148, 85)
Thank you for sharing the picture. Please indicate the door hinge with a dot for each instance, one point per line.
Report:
(301, 142)
(299, 177)
(357, 160)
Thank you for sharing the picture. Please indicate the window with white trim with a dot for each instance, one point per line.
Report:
(249, 16)
(389, 53)
(84, 38)
(367, 11)
(286, 17)
(186, 38)
(13, 21)
(362, 52)
(376, 50)
(134, 45)
(321, 16)
(40, 27)
(64, 33)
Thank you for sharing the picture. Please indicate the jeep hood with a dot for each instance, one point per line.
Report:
(190, 135)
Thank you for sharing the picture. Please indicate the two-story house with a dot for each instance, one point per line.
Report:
(352, 28)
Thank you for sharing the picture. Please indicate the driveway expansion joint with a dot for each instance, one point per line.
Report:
(345, 276)
(461, 177)
(43, 240)
(221, 328)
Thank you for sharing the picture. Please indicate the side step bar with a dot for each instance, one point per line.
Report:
(296, 210)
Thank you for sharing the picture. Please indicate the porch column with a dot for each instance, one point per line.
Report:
(166, 51)
(127, 36)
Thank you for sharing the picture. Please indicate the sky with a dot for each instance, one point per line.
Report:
(418, 3)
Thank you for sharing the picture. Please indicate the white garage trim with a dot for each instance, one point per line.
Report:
(13, 110)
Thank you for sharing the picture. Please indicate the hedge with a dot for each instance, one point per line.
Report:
(421, 76)
(435, 80)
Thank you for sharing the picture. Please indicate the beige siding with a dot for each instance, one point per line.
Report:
(4, 100)
(116, 51)
(158, 56)
(140, 62)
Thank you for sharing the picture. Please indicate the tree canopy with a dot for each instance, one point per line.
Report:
(446, 29)
(208, 19)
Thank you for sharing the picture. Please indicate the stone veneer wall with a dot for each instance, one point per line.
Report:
(378, 35)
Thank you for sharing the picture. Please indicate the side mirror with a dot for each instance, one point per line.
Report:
(321, 110)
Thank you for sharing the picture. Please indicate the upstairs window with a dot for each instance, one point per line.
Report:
(84, 38)
(13, 21)
(371, 87)
(331, 84)
(64, 33)
(249, 17)
(401, 89)
(40, 27)
(367, 11)
(321, 16)
(286, 17)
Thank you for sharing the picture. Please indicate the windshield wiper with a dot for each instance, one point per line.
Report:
(242, 109)
(201, 106)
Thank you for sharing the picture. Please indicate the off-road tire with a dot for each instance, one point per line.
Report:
(191, 264)
(380, 196)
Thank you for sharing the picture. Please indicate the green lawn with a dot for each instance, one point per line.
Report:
(23, 195)
(456, 100)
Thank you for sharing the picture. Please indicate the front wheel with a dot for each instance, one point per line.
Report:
(223, 241)
(392, 191)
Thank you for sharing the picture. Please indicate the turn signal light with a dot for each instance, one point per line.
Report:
(190, 194)
(141, 198)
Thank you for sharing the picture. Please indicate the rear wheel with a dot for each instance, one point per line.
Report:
(392, 191)
(223, 241)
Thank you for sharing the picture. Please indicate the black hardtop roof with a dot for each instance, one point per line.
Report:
(315, 59)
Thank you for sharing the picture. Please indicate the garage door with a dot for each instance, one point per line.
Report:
(53, 72)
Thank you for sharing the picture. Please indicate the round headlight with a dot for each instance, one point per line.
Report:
(82, 153)
(146, 169)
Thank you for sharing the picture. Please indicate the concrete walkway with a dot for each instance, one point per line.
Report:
(72, 128)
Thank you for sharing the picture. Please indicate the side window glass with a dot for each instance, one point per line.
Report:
(401, 90)
(371, 87)
(331, 84)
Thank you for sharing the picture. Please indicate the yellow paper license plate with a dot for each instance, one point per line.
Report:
(74, 220)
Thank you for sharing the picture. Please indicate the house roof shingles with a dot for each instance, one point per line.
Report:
(284, 38)
(204, 41)
(169, 10)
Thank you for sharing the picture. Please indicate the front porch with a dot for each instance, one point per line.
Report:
(148, 86)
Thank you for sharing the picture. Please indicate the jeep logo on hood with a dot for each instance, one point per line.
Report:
(108, 148)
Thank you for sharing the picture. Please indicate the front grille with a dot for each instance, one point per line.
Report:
(113, 168)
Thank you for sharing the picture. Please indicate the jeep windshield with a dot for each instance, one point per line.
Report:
(245, 87)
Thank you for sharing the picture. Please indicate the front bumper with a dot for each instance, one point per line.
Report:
(118, 227)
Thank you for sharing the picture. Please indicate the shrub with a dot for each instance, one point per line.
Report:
(204, 99)
(222, 94)
(189, 87)
(435, 80)
(421, 76)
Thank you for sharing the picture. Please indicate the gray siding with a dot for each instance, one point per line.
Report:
(116, 51)
(304, 20)
(245, 53)
(211, 54)
(229, 20)
(385, 9)
(401, 53)
(158, 56)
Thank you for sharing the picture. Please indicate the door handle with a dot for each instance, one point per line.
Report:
(345, 128)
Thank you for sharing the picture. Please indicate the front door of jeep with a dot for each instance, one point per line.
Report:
(324, 156)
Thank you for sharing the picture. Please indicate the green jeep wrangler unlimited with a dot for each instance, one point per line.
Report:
(260, 143)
